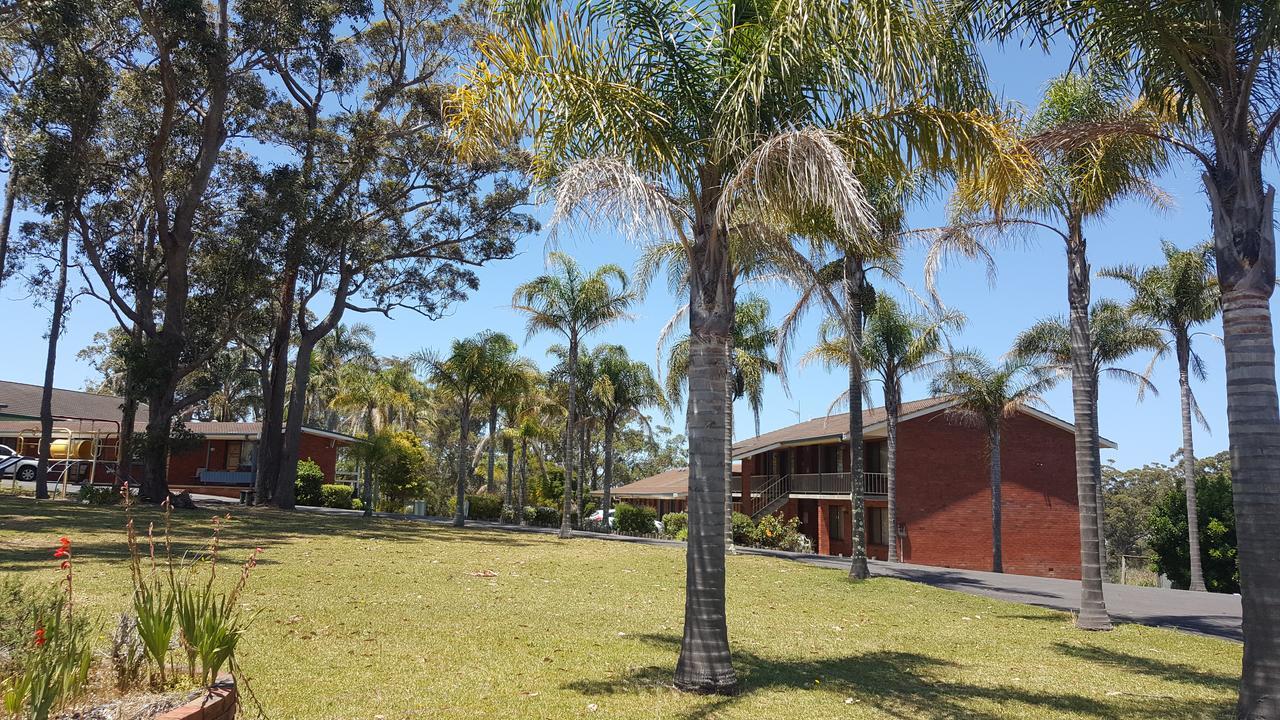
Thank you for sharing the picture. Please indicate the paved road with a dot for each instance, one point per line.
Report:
(1205, 613)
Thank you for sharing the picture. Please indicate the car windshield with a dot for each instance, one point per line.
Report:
(5, 450)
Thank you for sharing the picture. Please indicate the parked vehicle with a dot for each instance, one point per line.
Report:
(20, 467)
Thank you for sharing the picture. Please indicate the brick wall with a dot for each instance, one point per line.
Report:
(212, 454)
(944, 496)
(218, 704)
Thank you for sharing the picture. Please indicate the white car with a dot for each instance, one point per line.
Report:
(597, 518)
(21, 467)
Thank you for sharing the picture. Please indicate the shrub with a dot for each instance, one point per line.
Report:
(357, 504)
(776, 533)
(310, 479)
(744, 529)
(673, 523)
(336, 496)
(542, 516)
(1216, 513)
(590, 508)
(91, 495)
(635, 520)
(484, 507)
(682, 535)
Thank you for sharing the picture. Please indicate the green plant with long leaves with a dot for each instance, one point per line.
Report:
(1065, 190)
(1213, 69)
(573, 303)
(1175, 298)
(985, 394)
(623, 388)
(701, 120)
(896, 344)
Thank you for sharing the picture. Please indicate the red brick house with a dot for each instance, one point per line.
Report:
(943, 488)
(88, 424)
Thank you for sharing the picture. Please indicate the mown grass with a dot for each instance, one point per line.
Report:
(387, 619)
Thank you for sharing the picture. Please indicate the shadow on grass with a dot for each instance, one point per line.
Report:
(191, 529)
(1163, 669)
(895, 684)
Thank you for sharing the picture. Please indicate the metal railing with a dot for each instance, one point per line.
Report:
(773, 495)
(835, 483)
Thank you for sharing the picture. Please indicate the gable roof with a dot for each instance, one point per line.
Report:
(833, 428)
(23, 401)
(673, 483)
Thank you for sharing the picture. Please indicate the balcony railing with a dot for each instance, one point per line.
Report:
(833, 483)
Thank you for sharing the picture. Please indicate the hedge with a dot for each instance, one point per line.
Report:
(336, 496)
(306, 489)
(635, 520)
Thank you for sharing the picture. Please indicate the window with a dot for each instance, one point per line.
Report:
(877, 530)
(830, 459)
(835, 522)
(875, 459)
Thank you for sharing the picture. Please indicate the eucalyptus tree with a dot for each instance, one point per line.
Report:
(465, 373)
(678, 121)
(895, 345)
(1113, 336)
(1214, 69)
(1174, 298)
(623, 387)
(370, 209)
(985, 394)
(1067, 188)
(573, 303)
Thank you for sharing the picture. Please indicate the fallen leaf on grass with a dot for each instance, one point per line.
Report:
(484, 573)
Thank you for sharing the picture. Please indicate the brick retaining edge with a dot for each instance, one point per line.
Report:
(218, 703)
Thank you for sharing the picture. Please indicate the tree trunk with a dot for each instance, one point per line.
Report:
(891, 411)
(155, 452)
(51, 359)
(1244, 239)
(1093, 607)
(1097, 482)
(510, 472)
(271, 443)
(569, 457)
(606, 499)
(854, 277)
(124, 452)
(464, 464)
(997, 518)
(1182, 347)
(524, 480)
(283, 496)
(6, 218)
(705, 664)
(490, 485)
(728, 450)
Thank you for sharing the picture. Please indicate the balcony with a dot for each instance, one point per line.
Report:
(876, 484)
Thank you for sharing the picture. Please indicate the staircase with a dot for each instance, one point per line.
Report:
(773, 496)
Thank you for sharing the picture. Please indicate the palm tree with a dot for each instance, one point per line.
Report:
(1176, 297)
(1214, 68)
(511, 378)
(1114, 335)
(1064, 191)
(465, 373)
(623, 387)
(680, 120)
(346, 344)
(895, 345)
(574, 304)
(984, 395)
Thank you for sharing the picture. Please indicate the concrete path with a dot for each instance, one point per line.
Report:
(1212, 614)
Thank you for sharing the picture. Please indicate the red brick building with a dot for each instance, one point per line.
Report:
(943, 488)
(88, 424)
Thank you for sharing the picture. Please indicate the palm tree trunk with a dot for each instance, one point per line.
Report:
(510, 471)
(606, 500)
(569, 457)
(728, 451)
(6, 216)
(1093, 607)
(460, 489)
(490, 485)
(51, 359)
(1098, 490)
(891, 411)
(854, 277)
(1244, 238)
(1183, 350)
(524, 480)
(705, 664)
(997, 532)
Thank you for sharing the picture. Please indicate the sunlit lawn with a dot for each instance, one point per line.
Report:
(397, 619)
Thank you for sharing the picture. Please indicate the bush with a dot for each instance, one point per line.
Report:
(589, 508)
(357, 504)
(778, 534)
(682, 535)
(484, 507)
(673, 523)
(542, 516)
(635, 520)
(306, 488)
(1216, 513)
(336, 496)
(744, 529)
(91, 495)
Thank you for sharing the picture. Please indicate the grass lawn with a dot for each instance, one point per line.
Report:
(388, 619)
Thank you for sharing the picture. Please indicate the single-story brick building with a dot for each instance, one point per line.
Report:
(87, 441)
(943, 487)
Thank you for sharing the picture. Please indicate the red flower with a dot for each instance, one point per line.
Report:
(61, 552)
(64, 541)
(40, 637)
(66, 564)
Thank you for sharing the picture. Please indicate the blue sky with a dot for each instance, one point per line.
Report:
(1031, 285)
